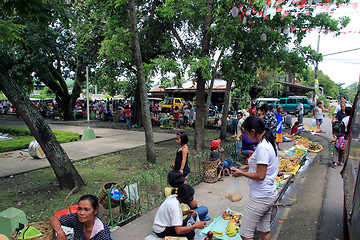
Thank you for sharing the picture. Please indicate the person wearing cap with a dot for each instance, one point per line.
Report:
(279, 115)
(168, 220)
(300, 111)
(215, 153)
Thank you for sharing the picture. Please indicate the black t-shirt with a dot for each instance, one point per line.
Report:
(215, 155)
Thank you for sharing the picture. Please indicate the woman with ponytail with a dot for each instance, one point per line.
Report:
(261, 171)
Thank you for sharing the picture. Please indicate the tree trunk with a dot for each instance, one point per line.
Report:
(200, 88)
(209, 92)
(224, 121)
(136, 108)
(64, 170)
(149, 138)
(200, 101)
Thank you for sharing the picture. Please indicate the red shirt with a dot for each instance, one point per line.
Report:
(294, 130)
(127, 112)
(176, 114)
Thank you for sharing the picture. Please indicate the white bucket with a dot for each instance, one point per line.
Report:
(35, 150)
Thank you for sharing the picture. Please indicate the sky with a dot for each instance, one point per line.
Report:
(344, 67)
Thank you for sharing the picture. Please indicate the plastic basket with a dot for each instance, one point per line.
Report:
(44, 227)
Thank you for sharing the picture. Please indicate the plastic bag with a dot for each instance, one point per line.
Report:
(233, 193)
(133, 194)
(29, 232)
(192, 221)
(313, 123)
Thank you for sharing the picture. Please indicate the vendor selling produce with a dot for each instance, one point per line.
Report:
(169, 218)
(85, 223)
(261, 171)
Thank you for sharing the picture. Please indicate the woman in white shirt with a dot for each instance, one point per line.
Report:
(261, 171)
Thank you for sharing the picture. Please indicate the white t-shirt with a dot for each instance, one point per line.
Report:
(264, 154)
(169, 214)
(338, 107)
(345, 120)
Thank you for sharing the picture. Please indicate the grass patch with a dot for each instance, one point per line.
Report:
(38, 191)
(22, 138)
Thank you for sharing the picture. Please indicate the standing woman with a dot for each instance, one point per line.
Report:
(261, 171)
(319, 114)
(181, 158)
(84, 222)
(127, 112)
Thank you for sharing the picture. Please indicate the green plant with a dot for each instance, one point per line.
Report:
(22, 138)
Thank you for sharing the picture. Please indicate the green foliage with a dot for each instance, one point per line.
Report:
(2, 97)
(330, 87)
(23, 142)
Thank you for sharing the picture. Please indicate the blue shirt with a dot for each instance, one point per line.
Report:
(279, 122)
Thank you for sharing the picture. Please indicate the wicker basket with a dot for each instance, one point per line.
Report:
(44, 227)
(209, 170)
(103, 200)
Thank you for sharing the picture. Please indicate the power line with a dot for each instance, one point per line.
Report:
(341, 52)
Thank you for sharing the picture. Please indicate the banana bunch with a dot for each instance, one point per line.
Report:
(232, 229)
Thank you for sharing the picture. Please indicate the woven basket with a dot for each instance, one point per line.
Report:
(44, 227)
(103, 200)
(209, 170)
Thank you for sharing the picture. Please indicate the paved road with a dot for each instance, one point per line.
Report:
(317, 212)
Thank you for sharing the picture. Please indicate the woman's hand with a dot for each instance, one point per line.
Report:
(245, 168)
(61, 235)
(200, 225)
(192, 213)
(182, 171)
(237, 172)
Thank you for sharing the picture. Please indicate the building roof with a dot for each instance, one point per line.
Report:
(219, 85)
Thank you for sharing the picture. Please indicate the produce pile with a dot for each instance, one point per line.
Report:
(225, 227)
(315, 147)
(299, 152)
(302, 141)
(288, 163)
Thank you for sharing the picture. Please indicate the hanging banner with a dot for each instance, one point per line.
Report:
(317, 92)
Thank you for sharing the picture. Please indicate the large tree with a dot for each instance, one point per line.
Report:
(12, 77)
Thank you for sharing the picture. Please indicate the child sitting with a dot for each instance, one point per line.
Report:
(215, 153)
(295, 129)
(175, 179)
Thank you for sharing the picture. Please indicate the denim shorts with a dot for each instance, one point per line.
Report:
(319, 121)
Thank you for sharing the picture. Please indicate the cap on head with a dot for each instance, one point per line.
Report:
(280, 106)
(215, 143)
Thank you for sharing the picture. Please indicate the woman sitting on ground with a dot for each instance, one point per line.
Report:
(169, 217)
(84, 222)
(247, 145)
(295, 130)
(175, 179)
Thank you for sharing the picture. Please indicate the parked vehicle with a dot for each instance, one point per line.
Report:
(290, 104)
(333, 103)
(172, 102)
(351, 174)
(269, 101)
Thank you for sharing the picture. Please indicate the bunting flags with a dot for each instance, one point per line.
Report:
(294, 7)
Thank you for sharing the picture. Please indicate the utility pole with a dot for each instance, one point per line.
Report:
(316, 84)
